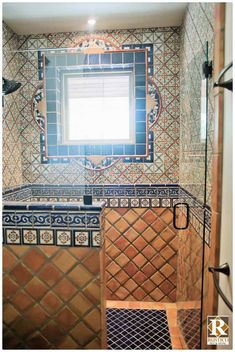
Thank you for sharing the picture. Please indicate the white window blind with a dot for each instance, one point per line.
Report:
(99, 109)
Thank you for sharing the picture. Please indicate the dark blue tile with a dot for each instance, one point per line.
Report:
(140, 116)
(63, 150)
(141, 127)
(140, 81)
(106, 150)
(118, 150)
(52, 150)
(105, 58)
(51, 106)
(97, 150)
(73, 150)
(140, 92)
(140, 149)
(51, 128)
(51, 117)
(140, 137)
(129, 149)
(140, 57)
(116, 58)
(128, 58)
(140, 104)
(52, 139)
(140, 69)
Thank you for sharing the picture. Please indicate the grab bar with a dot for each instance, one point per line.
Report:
(227, 84)
(223, 269)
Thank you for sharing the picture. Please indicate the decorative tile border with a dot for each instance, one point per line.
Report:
(40, 211)
(58, 237)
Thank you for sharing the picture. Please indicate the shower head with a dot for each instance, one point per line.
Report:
(9, 87)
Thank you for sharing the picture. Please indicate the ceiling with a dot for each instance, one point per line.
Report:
(35, 18)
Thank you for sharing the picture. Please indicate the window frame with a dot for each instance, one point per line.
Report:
(65, 108)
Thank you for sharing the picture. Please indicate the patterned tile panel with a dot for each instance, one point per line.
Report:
(165, 74)
(141, 254)
(11, 142)
(51, 298)
(137, 329)
(197, 28)
(189, 322)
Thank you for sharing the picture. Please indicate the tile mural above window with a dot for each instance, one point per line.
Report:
(54, 66)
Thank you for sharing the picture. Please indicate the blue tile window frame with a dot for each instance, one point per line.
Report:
(112, 60)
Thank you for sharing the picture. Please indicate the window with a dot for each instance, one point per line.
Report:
(96, 104)
(98, 108)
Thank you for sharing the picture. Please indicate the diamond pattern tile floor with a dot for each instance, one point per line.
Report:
(138, 329)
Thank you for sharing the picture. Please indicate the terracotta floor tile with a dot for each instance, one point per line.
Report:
(21, 274)
(36, 288)
(81, 333)
(52, 332)
(92, 319)
(8, 259)
(121, 243)
(10, 314)
(50, 274)
(92, 262)
(34, 259)
(80, 304)
(37, 315)
(37, 341)
(22, 301)
(65, 289)
(139, 260)
(68, 344)
(66, 318)
(149, 216)
(23, 327)
(51, 302)
(140, 226)
(131, 216)
(122, 225)
(64, 261)
(131, 235)
(9, 287)
(140, 243)
(80, 276)
(149, 234)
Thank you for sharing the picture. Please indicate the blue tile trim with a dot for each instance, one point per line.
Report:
(58, 153)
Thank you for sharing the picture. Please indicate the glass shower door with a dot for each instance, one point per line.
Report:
(192, 212)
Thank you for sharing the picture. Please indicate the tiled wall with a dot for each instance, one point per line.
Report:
(51, 298)
(197, 28)
(164, 169)
(140, 254)
(11, 142)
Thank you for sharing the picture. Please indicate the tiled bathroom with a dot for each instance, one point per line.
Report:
(116, 186)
